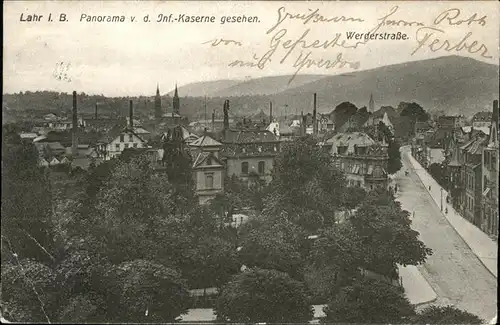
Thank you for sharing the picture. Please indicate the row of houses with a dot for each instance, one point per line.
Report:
(247, 151)
(469, 156)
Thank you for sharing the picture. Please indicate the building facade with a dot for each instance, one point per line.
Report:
(208, 168)
(362, 159)
(249, 153)
(490, 164)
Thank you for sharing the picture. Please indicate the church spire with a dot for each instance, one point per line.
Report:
(176, 101)
(158, 112)
(371, 104)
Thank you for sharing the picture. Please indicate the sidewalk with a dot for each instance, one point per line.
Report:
(207, 315)
(417, 289)
(481, 245)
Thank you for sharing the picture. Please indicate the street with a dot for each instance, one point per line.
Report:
(454, 271)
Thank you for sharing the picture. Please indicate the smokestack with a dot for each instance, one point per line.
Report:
(495, 111)
(270, 112)
(226, 115)
(74, 138)
(96, 111)
(213, 121)
(131, 114)
(315, 125)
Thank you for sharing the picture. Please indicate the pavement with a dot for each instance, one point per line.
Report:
(417, 289)
(480, 243)
(454, 271)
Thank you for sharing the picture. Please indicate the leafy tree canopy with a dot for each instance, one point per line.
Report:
(306, 185)
(369, 301)
(260, 295)
(413, 110)
(445, 315)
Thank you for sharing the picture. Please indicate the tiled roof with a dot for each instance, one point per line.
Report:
(351, 139)
(205, 141)
(248, 136)
(203, 156)
(116, 131)
(482, 116)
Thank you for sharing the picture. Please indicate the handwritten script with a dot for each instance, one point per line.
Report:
(300, 50)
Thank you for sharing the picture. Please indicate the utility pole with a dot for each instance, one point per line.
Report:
(441, 198)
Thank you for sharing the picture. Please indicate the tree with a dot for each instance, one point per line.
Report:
(385, 234)
(334, 260)
(150, 292)
(353, 196)
(445, 315)
(393, 150)
(414, 110)
(343, 112)
(273, 244)
(28, 291)
(369, 301)
(210, 262)
(306, 185)
(261, 295)
(26, 201)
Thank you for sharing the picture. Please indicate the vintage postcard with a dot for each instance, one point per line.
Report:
(250, 162)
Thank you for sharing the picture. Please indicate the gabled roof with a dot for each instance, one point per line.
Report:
(351, 139)
(116, 131)
(248, 136)
(205, 141)
(205, 156)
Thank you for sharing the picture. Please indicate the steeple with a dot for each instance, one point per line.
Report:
(175, 101)
(493, 138)
(158, 112)
(371, 104)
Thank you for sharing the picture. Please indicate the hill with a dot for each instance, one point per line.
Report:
(266, 85)
(206, 88)
(454, 84)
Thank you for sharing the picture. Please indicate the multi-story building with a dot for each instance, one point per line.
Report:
(362, 159)
(208, 168)
(471, 174)
(116, 141)
(481, 120)
(489, 216)
(248, 152)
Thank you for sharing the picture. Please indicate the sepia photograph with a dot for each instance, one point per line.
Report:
(252, 162)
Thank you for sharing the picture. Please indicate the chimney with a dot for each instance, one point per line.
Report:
(315, 124)
(495, 111)
(96, 111)
(270, 112)
(213, 121)
(74, 135)
(131, 114)
(226, 115)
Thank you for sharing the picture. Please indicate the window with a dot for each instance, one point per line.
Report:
(117, 146)
(209, 180)
(122, 138)
(126, 145)
(130, 138)
(135, 145)
(485, 183)
(244, 167)
(262, 164)
(209, 160)
(493, 160)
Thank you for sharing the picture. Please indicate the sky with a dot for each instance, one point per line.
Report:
(131, 58)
